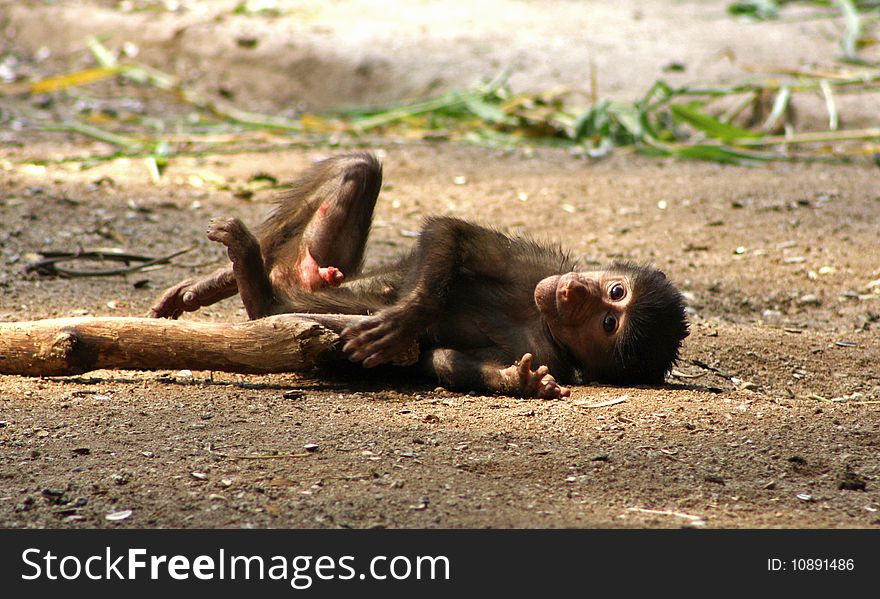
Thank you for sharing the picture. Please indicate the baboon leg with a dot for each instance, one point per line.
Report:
(191, 294)
(315, 238)
(316, 235)
(247, 265)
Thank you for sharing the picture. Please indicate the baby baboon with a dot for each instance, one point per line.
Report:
(485, 307)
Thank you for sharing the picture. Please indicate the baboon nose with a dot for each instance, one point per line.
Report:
(573, 291)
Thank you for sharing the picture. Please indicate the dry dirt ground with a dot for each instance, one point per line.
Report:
(777, 425)
(778, 263)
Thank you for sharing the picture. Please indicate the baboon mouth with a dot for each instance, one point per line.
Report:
(546, 296)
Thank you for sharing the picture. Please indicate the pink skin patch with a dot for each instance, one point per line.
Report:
(331, 276)
(313, 276)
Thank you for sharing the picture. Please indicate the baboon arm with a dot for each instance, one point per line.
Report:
(472, 371)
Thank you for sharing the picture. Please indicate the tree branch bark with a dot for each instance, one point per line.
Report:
(282, 343)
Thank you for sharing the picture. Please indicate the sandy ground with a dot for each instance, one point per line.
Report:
(772, 452)
(344, 53)
(780, 263)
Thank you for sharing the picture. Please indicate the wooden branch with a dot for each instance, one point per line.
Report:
(282, 343)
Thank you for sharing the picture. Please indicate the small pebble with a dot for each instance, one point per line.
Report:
(851, 481)
(771, 316)
(809, 300)
(118, 515)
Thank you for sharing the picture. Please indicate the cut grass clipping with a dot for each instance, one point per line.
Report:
(747, 122)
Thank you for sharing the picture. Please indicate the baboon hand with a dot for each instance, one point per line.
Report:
(526, 382)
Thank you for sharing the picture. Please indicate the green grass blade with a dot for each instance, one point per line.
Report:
(709, 124)
(629, 117)
(97, 133)
(491, 113)
(830, 105)
(780, 104)
(756, 9)
(102, 55)
(449, 101)
(850, 41)
(721, 154)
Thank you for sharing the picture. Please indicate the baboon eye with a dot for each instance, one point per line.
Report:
(609, 323)
(617, 292)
